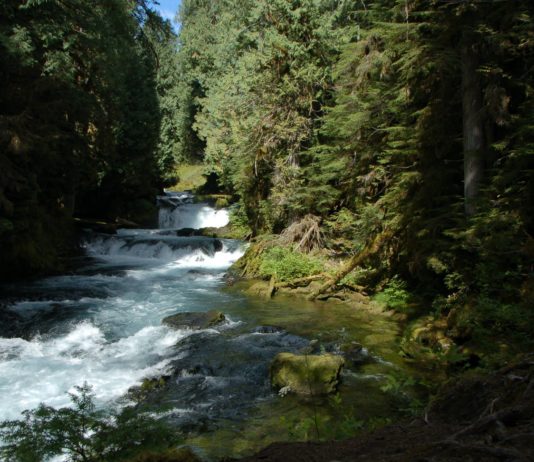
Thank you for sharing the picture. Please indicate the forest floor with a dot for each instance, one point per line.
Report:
(482, 417)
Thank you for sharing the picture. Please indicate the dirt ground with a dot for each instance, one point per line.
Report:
(478, 418)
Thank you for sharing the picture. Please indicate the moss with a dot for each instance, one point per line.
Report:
(190, 177)
(195, 320)
(147, 387)
(306, 374)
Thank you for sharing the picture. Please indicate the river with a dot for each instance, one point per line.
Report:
(101, 324)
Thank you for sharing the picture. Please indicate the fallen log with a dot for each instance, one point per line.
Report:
(299, 282)
(355, 261)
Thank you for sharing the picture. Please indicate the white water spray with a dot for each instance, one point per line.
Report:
(106, 324)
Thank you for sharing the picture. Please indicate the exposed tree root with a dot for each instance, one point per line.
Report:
(305, 233)
(302, 282)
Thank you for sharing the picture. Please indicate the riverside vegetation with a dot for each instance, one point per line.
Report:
(376, 152)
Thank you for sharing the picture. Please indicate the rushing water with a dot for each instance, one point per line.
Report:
(102, 325)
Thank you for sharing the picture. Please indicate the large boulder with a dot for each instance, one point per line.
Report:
(306, 374)
(203, 320)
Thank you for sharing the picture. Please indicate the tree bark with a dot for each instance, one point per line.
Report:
(473, 123)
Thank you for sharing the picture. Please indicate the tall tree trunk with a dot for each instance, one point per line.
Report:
(473, 123)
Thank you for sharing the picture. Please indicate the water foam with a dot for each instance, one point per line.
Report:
(43, 370)
(105, 328)
(194, 216)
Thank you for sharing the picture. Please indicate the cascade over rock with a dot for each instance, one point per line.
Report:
(177, 211)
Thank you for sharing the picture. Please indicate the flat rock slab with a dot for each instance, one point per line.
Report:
(310, 375)
(188, 320)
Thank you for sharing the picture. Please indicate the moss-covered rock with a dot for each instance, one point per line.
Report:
(426, 337)
(257, 288)
(188, 320)
(306, 374)
(141, 392)
(352, 351)
(225, 232)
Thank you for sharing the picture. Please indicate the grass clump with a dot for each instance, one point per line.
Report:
(190, 177)
(286, 264)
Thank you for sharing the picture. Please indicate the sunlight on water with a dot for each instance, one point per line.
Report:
(103, 326)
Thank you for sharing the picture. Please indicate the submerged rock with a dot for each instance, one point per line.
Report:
(353, 351)
(306, 374)
(268, 330)
(187, 232)
(203, 320)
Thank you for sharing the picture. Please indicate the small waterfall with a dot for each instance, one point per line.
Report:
(153, 246)
(187, 252)
(102, 323)
(177, 211)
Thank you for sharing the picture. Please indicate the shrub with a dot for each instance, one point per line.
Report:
(81, 433)
(394, 296)
(239, 221)
(286, 264)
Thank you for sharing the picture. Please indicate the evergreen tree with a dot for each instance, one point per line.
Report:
(79, 121)
(261, 114)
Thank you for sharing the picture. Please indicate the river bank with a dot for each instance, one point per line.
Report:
(101, 324)
(479, 414)
(483, 417)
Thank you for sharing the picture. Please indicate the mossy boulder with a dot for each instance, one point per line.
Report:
(225, 232)
(139, 393)
(426, 338)
(188, 320)
(306, 374)
(257, 288)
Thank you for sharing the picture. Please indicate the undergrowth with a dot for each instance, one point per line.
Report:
(286, 264)
(82, 433)
(394, 296)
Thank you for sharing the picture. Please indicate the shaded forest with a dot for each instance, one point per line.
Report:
(381, 149)
(402, 130)
(80, 124)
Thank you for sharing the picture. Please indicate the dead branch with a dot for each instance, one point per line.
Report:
(305, 233)
(500, 416)
(355, 261)
(507, 453)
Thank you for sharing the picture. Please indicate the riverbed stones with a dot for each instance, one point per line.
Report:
(310, 375)
(189, 320)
